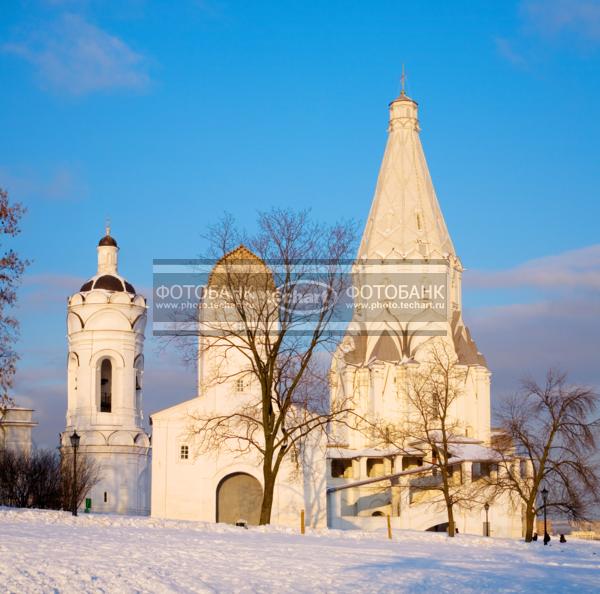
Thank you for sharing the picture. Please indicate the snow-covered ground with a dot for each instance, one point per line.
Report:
(46, 551)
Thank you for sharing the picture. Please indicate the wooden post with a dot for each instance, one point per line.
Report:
(302, 529)
(389, 525)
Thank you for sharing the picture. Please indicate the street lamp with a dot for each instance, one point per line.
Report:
(74, 444)
(545, 500)
(487, 522)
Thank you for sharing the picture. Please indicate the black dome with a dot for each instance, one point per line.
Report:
(108, 282)
(108, 240)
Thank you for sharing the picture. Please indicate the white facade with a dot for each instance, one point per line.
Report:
(187, 483)
(105, 323)
(225, 484)
(406, 236)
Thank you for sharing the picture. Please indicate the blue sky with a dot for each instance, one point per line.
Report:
(162, 114)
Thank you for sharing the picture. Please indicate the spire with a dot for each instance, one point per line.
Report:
(405, 220)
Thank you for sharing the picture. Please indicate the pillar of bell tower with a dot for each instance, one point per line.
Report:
(106, 319)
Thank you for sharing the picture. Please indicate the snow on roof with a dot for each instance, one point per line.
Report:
(471, 453)
(461, 449)
(366, 452)
(437, 435)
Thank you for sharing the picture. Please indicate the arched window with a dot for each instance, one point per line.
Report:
(139, 373)
(106, 386)
(73, 368)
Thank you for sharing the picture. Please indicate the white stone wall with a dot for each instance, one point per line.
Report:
(15, 429)
(110, 325)
(187, 489)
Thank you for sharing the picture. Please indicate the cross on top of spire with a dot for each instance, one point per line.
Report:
(403, 82)
(403, 96)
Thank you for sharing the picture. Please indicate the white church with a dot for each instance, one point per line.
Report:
(348, 482)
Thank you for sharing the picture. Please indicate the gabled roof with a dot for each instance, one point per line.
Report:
(243, 262)
(241, 252)
(168, 412)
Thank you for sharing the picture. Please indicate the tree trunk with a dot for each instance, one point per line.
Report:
(529, 523)
(267, 501)
(451, 523)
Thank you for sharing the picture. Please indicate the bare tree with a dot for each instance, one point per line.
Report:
(42, 479)
(45, 479)
(15, 478)
(11, 270)
(431, 428)
(269, 325)
(548, 439)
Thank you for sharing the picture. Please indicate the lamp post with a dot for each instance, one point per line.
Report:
(487, 522)
(74, 444)
(545, 500)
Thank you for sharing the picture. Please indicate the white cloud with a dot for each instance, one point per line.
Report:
(580, 18)
(506, 49)
(558, 328)
(41, 293)
(58, 183)
(558, 25)
(76, 57)
(575, 269)
(521, 340)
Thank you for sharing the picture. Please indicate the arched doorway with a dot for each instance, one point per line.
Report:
(239, 497)
(438, 528)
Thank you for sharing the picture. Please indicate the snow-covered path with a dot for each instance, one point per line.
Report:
(45, 551)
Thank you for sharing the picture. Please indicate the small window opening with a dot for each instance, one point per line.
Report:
(375, 467)
(139, 370)
(184, 452)
(409, 462)
(341, 468)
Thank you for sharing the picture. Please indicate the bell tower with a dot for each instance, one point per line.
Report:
(106, 319)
